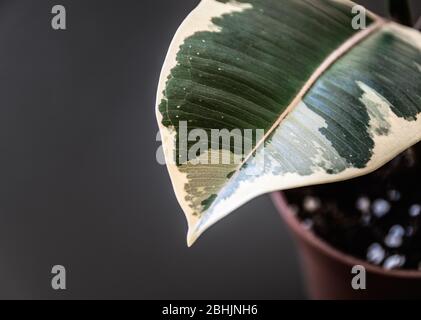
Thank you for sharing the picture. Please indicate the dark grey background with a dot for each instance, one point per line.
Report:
(79, 183)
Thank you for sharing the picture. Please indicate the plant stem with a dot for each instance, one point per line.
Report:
(401, 12)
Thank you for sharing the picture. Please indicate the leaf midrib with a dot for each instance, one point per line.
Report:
(338, 53)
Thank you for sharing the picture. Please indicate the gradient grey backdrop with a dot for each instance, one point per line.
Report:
(79, 184)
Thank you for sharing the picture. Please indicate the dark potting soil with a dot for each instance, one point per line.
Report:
(376, 217)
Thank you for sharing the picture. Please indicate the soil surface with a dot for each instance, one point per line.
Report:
(376, 217)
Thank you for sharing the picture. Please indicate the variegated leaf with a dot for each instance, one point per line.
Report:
(334, 102)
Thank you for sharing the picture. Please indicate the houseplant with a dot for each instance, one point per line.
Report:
(257, 96)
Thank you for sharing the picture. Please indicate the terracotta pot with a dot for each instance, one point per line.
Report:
(328, 271)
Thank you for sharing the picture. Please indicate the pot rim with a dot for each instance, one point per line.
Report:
(317, 243)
